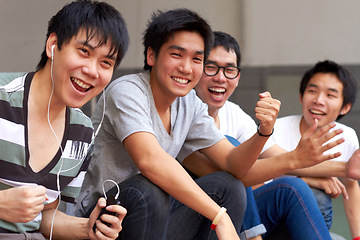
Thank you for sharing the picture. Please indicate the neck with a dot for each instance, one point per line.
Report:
(214, 113)
(162, 102)
(40, 92)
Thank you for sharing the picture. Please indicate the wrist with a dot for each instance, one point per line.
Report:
(357, 238)
(217, 218)
(263, 135)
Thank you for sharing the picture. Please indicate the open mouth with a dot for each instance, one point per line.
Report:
(317, 112)
(80, 85)
(217, 92)
(181, 81)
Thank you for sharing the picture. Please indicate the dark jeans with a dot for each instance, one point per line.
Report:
(153, 214)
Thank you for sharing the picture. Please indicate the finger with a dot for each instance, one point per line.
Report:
(264, 94)
(103, 231)
(310, 131)
(39, 190)
(332, 144)
(343, 189)
(325, 129)
(96, 211)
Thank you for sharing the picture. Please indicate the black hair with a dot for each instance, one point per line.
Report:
(164, 24)
(344, 76)
(229, 43)
(98, 19)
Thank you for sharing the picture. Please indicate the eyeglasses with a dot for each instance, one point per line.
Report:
(230, 72)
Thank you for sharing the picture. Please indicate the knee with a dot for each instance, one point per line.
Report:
(294, 183)
(224, 180)
(224, 184)
(141, 192)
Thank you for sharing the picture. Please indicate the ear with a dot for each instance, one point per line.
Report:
(150, 57)
(51, 41)
(345, 109)
(300, 98)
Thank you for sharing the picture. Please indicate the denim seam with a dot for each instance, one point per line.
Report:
(297, 194)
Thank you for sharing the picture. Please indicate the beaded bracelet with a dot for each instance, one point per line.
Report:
(357, 238)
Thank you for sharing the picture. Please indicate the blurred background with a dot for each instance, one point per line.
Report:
(279, 39)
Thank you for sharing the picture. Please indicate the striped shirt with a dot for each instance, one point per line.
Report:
(70, 164)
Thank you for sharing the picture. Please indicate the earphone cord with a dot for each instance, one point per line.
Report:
(61, 149)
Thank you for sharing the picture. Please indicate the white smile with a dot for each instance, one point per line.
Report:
(317, 112)
(217, 90)
(180, 80)
(80, 83)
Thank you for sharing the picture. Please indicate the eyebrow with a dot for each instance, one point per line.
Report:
(92, 48)
(329, 89)
(226, 64)
(177, 47)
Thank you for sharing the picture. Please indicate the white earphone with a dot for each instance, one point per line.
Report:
(52, 51)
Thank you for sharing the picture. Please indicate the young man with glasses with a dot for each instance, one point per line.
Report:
(296, 205)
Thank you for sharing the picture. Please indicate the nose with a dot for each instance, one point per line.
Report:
(220, 76)
(185, 66)
(319, 99)
(91, 69)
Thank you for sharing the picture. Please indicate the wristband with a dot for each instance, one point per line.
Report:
(217, 218)
(357, 238)
(263, 135)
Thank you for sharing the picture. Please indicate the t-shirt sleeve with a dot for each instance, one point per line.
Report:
(128, 109)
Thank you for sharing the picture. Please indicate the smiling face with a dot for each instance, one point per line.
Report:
(178, 66)
(81, 69)
(215, 90)
(322, 100)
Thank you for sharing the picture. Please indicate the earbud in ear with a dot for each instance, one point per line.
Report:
(52, 51)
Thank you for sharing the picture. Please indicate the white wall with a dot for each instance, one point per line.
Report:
(282, 32)
(271, 33)
(23, 26)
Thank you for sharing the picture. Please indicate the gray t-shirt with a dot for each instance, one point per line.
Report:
(130, 108)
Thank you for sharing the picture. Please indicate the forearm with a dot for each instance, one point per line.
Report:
(268, 168)
(352, 207)
(65, 226)
(173, 179)
(324, 169)
(242, 158)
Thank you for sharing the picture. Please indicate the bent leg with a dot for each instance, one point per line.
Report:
(147, 208)
(225, 190)
(289, 201)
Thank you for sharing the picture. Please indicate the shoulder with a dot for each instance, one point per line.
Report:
(7, 77)
(12, 82)
(348, 132)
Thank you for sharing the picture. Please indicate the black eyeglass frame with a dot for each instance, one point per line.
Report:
(224, 70)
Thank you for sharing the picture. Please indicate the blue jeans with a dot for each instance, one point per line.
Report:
(153, 214)
(251, 226)
(288, 203)
(324, 202)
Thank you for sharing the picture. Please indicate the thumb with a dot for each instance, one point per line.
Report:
(264, 94)
(100, 204)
